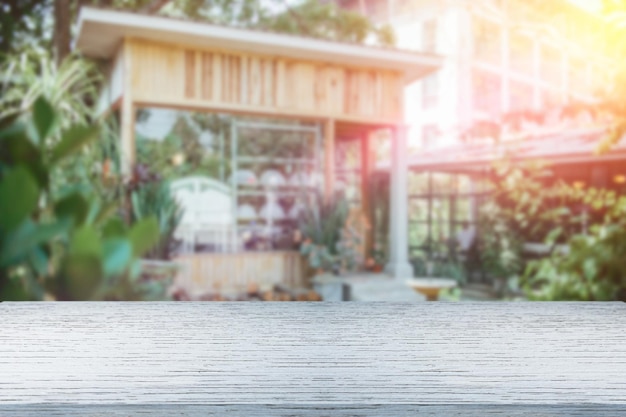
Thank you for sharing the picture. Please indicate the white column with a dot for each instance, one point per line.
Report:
(399, 266)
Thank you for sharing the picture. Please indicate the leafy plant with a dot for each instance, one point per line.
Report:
(151, 196)
(321, 225)
(70, 245)
(26, 76)
(500, 246)
(592, 269)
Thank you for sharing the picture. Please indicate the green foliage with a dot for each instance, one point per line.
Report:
(321, 224)
(440, 267)
(592, 269)
(450, 294)
(589, 223)
(26, 76)
(183, 143)
(312, 18)
(21, 22)
(378, 195)
(154, 199)
(67, 245)
(500, 245)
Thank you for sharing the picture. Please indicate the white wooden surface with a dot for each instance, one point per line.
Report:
(335, 359)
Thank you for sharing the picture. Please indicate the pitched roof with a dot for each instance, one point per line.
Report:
(101, 31)
(572, 146)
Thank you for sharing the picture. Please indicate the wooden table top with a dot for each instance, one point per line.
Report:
(339, 359)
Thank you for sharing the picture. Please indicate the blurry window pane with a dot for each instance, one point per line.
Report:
(429, 35)
(430, 91)
(418, 209)
(418, 183)
(521, 96)
(551, 64)
(521, 54)
(487, 92)
(487, 40)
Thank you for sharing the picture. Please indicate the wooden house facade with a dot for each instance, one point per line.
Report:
(350, 90)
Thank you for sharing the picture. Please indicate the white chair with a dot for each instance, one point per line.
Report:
(208, 213)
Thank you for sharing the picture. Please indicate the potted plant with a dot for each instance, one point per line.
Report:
(150, 196)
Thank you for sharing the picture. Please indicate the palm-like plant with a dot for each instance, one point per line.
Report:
(31, 74)
(321, 224)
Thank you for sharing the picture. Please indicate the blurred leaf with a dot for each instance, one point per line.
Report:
(19, 196)
(39, 261)
(14, 290)
(73, 206)
(73, 140)
(43, 116)
(554, 235)
(85, 241)
(28, 237)
(82, 275)
(19, 150)
(144, 235)
(118, 254)
(105, 212)
(114, 227)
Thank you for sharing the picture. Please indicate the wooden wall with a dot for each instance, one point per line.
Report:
(215, 273)
(165, 74)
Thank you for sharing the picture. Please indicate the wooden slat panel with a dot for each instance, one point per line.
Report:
(233, 272)
(207, 76)
(244, 84)
(268, 84)
(217, 77)
(190, 74)
(303, 82)
(255, 81)
(313, 359)
(281, 83)
(337, 83)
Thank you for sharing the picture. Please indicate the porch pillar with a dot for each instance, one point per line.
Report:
(399, 266)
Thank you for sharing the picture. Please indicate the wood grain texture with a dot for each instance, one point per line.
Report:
(339, 359)
(177, 74)
(214, 273)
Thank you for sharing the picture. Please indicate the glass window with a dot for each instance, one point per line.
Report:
(418, 209)
(487, 92)
(429, 35)
(442, 183)
(551, 64)
(179, 143)
(418, 235)
(551, 99)
(487, 40)
(348, 169)
(430, 91)
(463, 209)
(521, 54)
(418, 183)
(520, 96)
(429, 135)
(577, 74)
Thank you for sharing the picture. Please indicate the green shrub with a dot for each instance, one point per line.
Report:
(70, 245)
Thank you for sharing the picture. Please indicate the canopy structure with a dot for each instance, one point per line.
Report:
(171, 63)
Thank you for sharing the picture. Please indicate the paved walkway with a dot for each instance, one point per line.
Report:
(380, 287)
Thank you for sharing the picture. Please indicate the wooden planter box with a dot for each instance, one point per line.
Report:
(217, 273)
